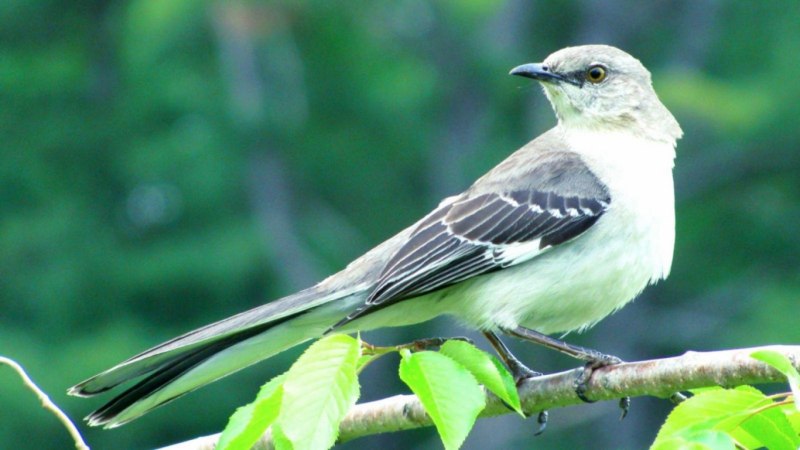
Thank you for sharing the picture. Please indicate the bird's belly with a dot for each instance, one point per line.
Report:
(569, 288)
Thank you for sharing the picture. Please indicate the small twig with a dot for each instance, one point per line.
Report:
(416, 346)
(47, 403)
(374, 351)
(784, 395)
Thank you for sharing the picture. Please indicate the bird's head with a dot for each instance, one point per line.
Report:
(598, 86)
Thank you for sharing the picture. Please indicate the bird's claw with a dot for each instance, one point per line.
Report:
(521, 372)
(580, 391)
(624, 406)
(542, 421)
(585, 375)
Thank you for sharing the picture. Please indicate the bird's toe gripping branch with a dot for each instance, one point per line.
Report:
(585, 375)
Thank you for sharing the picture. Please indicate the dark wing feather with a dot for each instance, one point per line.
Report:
(478, 234)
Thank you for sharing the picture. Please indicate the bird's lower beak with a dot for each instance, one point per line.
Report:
(536, 71)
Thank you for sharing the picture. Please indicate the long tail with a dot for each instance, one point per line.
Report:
(199, 357)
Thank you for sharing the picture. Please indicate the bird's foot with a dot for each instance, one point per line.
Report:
(585, 376)
(520, 371)
(542, 421)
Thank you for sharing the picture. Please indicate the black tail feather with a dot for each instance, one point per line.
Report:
(173, 369)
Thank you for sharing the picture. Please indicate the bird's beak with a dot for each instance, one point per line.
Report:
(537, 71)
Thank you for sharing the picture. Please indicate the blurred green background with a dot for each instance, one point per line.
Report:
(164, 164)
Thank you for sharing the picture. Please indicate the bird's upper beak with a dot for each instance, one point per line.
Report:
(537, 71)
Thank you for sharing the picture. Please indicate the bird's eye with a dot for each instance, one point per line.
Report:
(596, 74)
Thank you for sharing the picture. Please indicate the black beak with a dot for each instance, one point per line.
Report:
(538, 72)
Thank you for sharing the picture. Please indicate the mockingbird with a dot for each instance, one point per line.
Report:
(562, 233)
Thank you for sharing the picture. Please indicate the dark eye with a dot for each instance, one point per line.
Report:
(596, 74)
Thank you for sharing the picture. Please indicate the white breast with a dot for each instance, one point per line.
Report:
(638, 173)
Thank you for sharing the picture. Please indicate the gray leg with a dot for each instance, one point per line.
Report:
(517, 368)
(586, 354)
(520, 371)
(594, 359)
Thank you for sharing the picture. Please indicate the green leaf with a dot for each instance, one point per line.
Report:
(784, 365)
(745, 413)
(772, 429)
(487, 369)
(701, 390)
(712, 439)
(745, 439)
(709, 408)
(364, 361)
(794, 418)
(249, 422)
(701, 440)
(279, 439)
(448, 391)
(319, 389)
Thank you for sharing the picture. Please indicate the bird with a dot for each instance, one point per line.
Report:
(562, 233)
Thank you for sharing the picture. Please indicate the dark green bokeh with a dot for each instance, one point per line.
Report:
(167, 163)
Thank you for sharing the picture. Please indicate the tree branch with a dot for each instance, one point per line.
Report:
(658, 378)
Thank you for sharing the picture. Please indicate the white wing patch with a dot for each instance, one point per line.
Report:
(512, 254)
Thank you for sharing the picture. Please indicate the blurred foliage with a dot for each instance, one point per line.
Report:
(167, 163)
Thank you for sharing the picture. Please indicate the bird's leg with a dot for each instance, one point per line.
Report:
(594, 359)
(520, 371)
(582, 353)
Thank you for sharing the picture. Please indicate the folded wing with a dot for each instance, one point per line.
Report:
(483, 232)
